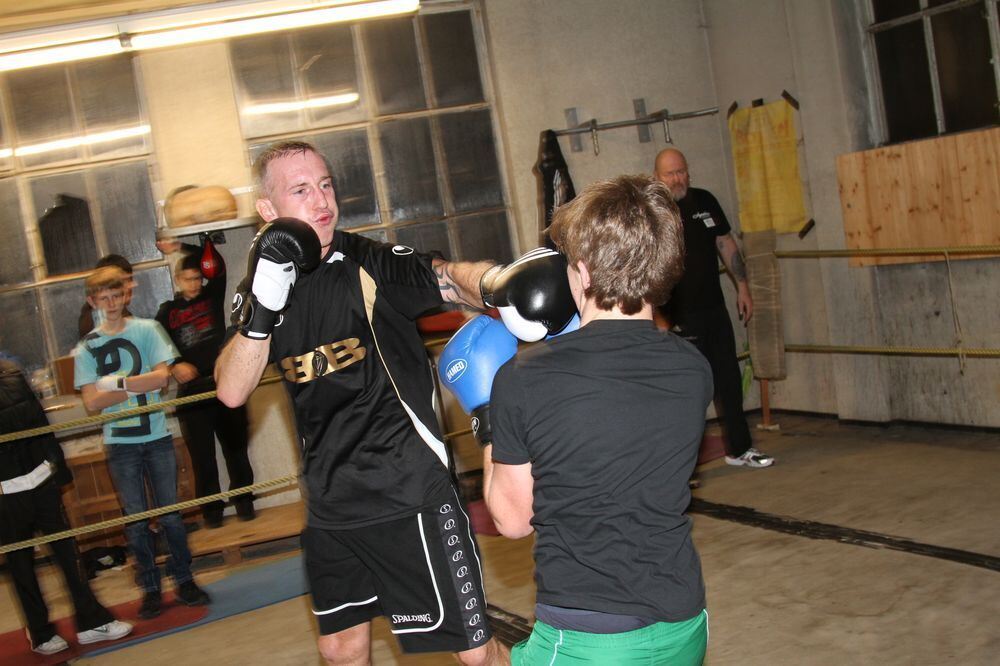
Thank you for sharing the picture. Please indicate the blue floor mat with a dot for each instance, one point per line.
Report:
(239, 593)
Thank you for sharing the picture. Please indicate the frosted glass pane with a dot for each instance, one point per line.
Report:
(409, 162)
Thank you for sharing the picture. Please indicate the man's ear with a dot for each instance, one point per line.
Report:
(265, 209)
(584, 275)
(91, 303)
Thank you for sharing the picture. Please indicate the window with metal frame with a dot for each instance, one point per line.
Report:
(400, 108)
(936, 66)
(74, 186)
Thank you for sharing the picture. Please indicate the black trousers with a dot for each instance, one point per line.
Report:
(21, 516)
(712, 333)
(200, 423)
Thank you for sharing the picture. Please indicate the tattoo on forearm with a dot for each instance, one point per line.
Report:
(451, 287)
(446, 283)
(738, 268)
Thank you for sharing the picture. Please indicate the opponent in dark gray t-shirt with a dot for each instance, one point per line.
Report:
(595, 435)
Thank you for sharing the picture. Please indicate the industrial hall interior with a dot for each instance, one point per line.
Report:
(499, 331)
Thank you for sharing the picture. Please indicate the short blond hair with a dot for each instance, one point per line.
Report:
(261, 165)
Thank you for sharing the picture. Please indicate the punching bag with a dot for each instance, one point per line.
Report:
(557, 186)
(212, 265)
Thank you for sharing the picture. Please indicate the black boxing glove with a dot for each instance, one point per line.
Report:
(281, 250)
(532, 294)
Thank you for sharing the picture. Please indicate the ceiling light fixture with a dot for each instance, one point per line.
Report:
(223, 20)
(285, 107)
(272, 23)
(73, 142)
(64, 53)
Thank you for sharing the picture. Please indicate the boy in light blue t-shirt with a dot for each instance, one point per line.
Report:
(122, 364)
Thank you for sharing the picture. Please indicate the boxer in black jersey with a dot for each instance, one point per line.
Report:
(387, 533)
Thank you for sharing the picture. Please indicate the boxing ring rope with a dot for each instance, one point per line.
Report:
(959, 351)
(890, 252)
(131, 518)
(115, 416)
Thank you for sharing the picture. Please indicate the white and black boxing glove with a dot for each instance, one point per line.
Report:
(532, 294)
(281, 250)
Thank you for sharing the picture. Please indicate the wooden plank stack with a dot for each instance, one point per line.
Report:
(933, 193)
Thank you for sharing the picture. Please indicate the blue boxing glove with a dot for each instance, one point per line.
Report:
(468, 364)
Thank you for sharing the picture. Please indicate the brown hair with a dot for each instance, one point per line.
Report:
(276, 151)
(115, 260)
(107, 277)
(190, 262)
(628, 233)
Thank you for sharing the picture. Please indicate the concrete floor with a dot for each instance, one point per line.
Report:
(773, 598)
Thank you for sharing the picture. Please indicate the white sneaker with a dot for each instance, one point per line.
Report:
(106, 632)
(751, 458)
(51, 646)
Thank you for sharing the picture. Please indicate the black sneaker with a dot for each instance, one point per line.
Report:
(190, 594)
(245, 511)
(151, 602)
(212, 519)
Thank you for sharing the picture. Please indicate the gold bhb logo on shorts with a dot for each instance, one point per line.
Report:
(323, 360)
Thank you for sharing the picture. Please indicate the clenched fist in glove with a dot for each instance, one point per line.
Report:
(468, 364)
(532, 294)
(280, 251)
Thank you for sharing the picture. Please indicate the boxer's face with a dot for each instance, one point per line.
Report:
(672, 171)
(299, 185)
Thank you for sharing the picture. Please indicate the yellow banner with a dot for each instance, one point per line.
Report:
(765, 152)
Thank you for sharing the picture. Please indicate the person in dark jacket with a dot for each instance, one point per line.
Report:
(32, 470)
(196, 322)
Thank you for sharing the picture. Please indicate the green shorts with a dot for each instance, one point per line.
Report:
(673, 643)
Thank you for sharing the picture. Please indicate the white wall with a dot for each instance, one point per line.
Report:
(753, 57)
(550, 55)
(813, 48)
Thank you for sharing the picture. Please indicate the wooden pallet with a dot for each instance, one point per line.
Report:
(235, 535)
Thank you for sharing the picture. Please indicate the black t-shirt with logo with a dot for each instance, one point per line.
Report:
(198, 327)
(610, 418)
(361, 384)
(699, 288)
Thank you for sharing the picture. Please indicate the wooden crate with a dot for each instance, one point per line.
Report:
(91, 497)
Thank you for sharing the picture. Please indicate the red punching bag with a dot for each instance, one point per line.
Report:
(212, 265)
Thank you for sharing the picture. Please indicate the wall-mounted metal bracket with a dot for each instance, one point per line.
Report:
(575, 128)
(575, 142)
(639, 106)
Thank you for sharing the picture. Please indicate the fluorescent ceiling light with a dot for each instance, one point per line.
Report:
(73, 142)
(221, 20)
(285, 107)
(53, 54)
(261, 24)
(219, 12)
